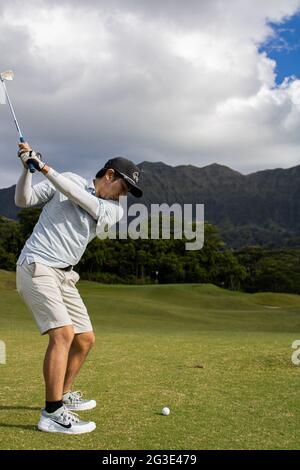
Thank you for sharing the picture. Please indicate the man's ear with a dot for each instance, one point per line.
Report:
(110, 174)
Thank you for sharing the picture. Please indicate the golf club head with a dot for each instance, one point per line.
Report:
(7, 75)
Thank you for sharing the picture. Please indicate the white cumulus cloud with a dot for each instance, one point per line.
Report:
(181, 82)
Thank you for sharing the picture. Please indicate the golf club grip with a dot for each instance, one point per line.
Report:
(31, 168)
(30, 165)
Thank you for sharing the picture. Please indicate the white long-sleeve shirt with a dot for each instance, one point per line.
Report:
(71, 217)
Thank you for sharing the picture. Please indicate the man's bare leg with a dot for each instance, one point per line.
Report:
(56, 360)
(56, 417)
(80, 347)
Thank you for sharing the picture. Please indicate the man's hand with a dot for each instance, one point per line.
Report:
(27, 155)
(24, 147)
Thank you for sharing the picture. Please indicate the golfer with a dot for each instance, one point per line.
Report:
(75, 211)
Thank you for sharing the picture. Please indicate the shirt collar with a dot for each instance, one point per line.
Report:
(91, 187)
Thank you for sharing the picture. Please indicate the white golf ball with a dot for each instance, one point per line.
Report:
(165, 411)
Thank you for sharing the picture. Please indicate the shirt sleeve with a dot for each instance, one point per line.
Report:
(74, 192)
(42, 192)
(27, 195)
(105, 212)
(109, 213)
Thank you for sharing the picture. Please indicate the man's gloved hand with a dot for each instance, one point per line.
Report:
(27, 155)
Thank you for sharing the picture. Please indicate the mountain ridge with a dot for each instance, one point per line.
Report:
(266, 200)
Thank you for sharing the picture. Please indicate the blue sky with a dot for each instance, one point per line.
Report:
(284, 48)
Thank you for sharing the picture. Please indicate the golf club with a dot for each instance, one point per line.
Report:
(9, 75)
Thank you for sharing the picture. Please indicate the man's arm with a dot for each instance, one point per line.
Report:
(73, 191)
(27, 195)
(104, 212)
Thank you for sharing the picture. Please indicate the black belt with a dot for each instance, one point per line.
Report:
(67, 268)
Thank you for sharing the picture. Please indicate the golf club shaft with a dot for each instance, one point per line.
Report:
(30, 165)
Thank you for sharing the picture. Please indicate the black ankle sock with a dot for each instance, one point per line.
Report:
(52, 406)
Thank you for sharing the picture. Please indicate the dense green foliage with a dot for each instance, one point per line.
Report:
(252, 269)
(275, 271)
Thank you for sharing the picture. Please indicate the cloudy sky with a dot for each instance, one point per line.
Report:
(183, 82)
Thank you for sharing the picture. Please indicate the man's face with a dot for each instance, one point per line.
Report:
(110, 186)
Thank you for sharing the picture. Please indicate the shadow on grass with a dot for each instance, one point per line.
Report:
(20, 407)
(26, 427)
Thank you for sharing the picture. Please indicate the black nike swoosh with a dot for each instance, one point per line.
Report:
(63, 425)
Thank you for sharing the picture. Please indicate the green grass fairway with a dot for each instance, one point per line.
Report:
(220, 360)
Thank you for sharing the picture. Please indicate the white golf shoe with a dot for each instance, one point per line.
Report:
(64, 421)
(73, 401)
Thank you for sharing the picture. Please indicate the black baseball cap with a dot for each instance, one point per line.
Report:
(129, 171)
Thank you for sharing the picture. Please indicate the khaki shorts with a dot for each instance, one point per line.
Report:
(52, 297)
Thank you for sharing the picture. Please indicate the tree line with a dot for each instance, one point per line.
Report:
(251, 269)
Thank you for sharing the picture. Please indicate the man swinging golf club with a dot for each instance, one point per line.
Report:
(75, 211)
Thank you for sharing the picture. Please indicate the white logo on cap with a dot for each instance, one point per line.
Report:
(135, 176)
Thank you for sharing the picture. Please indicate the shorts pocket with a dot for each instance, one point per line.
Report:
(40, 270)
(27, 267)
(75, 276)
